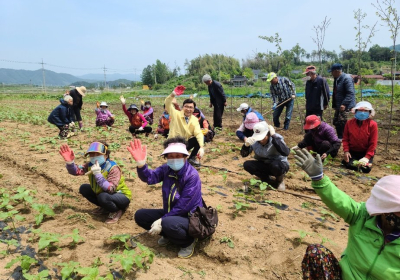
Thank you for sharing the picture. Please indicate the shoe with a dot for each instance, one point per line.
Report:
(194, 161)
(147, 134)
(99, 211)
(133, 135)
(281, 187)
(187, 252)
(163, 241)
(113, 217)
(278, 183)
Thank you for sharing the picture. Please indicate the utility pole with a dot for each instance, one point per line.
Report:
(105, 80)
(44, 77)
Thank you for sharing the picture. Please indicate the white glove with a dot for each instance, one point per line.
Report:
(155, 136)
(250, 141)
(122, 99)
(364, 161)
(200, 154)
(293, 96)
(156, 227)
(96, 169)
(173, 94)
(72, 124)
(140, 128)
(294, 148)
(271, 130)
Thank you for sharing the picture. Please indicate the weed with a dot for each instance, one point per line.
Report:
(228, 240)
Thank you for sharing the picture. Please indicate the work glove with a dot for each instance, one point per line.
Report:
(156, 227)
(271, 130)
(179, 90)
(138, 152)
(96, 169)
(72, 124)
(274, 106)
(122, 99)
(140, 128)
(249, 141)
(312, 166)
(293, 96)
(294, 147)
(364, 161)
(200, 154)
(67, 154)
(142, 102)
(155, 136)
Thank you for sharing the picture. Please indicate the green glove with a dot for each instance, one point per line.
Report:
(312, 166)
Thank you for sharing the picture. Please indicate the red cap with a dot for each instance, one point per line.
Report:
(310, 68)
(312, 121)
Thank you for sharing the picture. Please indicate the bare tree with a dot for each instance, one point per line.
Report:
(320, 38)
(362, 45)
(387, 12)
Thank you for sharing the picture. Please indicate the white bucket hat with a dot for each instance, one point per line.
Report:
(81, 90)
(260, 131)
(363, 105)
(176, 148)
(103, 104)
(385, 196)
(243, 106)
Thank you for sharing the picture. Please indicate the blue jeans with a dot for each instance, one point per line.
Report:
(278, 111)
(175, 228)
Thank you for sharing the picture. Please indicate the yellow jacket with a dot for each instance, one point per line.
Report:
(178, 125)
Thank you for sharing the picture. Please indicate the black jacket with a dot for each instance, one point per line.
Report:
(317, 92)
(77, 98)
(217, 94)
(61, 115)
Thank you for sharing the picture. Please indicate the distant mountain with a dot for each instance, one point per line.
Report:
(12, 76)
(396, 47)
(110, 77)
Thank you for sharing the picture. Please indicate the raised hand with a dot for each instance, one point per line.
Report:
(312, 166)
(122, 99)
(138, 152)
(179, 90)
(67, 153)
(96, 169)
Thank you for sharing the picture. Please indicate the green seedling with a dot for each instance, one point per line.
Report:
(24, 261)
(48, 240)
(9, 243)
(12, 216)
(44, 210)
(228, 240)
(123, 238)
(303, 234)
(5, 201)
(219, 208)
(89, 273)
(40, 276)
(76, 238)
(327, 213)
(24, 196)
(308, 205)
(68, 269)
(62, 196)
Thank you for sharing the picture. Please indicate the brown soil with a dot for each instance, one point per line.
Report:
(266, 240)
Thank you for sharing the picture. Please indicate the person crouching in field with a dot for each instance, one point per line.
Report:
(147, 111)
(63, 117)
(104, 117)
(138, 122)
(106, 188)
(163, 124)
(181, 194)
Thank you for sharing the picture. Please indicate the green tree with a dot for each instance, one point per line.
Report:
(248, 73)
(147, 76)
(298, 52)
(162, 72)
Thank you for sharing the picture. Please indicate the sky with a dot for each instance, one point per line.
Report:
(126, 35)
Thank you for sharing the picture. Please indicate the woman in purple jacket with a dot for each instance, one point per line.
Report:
(181, 192)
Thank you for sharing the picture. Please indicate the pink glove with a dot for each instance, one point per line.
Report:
(138, 152)
(67, 153)
(179, 90)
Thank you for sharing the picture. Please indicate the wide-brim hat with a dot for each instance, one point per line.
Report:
(312, 121)
(96, 147)
(363, 105)
(176, 148)
(260, 131)
(133, 106)
(385, 196)
(103, 104)
(271, 76)
(243, 106)
(81, 90)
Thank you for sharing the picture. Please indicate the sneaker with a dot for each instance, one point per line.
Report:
(187, 252)
(281, 187)
(113, 217)
(99, 211)
(163, 241)
(194, 161)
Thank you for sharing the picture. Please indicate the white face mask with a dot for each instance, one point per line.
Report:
(308, 78)
(147, 106)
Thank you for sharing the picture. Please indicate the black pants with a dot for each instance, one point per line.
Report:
(321, 148)
(192, 143)
(357, 156)
(264, 170)
(218, 112)
(246, 133)
(175, 228)
(314, 112)
(64, 130)
(339, 121)
(110, 202)
(146, 129)
(77, 113)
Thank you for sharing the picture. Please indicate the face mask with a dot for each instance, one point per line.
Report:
(176, 163)
(100, 159)
(148, 106)
(361, 116)
(103, 110)
(308, 78)
(166, 116)
(393, 220)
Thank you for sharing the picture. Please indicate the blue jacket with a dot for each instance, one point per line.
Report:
(61, 115)
(343, 92)
(259, 116)
(177, 200)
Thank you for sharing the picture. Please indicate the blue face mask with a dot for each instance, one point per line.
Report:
(176, 164)
(166, 116)
(362, 116)
(100, 159)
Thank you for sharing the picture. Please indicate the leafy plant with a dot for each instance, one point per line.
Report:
(326, 213)
(12, 216)
(124, 238)
(11, 242)
(24, 196)
(76, 238)
(24, 261)
(68, 269)
(40, 276)
(44, 210)
(228, 240)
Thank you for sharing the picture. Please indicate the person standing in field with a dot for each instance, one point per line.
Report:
(77, 94)
(217, 99)
(283, 92)
(343, 98)
(317, 92)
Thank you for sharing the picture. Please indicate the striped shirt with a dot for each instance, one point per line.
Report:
(282, 90)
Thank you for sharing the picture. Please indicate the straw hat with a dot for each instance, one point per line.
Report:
(81, 90)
